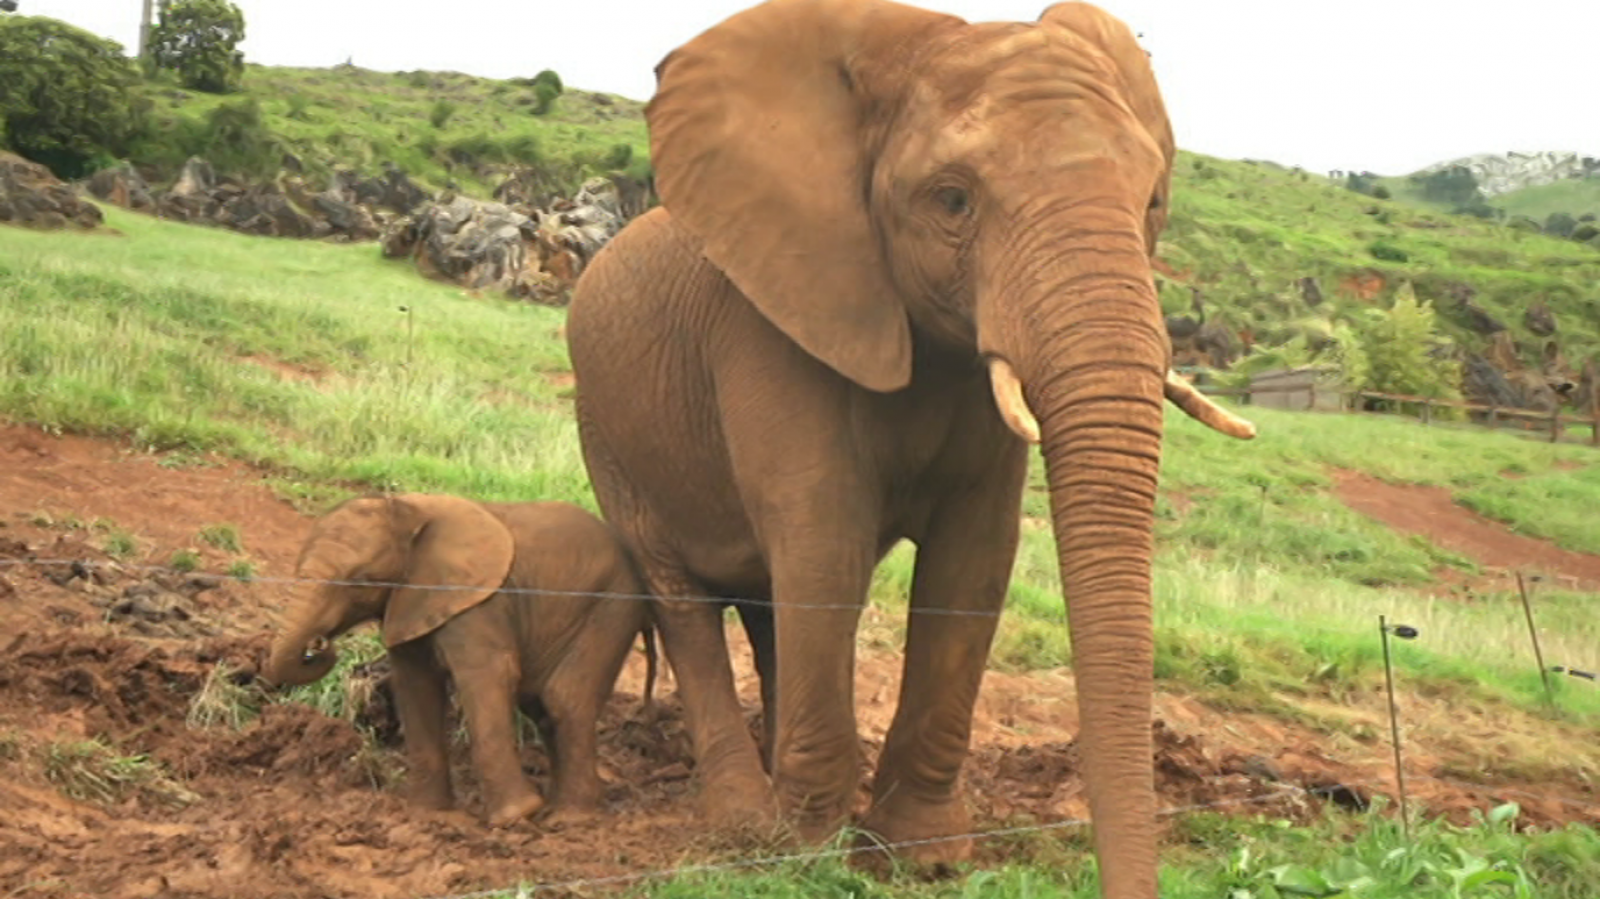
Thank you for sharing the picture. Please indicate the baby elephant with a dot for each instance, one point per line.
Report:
(556, 656)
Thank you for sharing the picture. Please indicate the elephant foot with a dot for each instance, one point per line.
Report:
(739, 799)
(516, 809)
(922, 833)
(568, 815)
(431, 795)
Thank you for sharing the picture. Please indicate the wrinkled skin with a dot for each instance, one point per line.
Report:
(556, 657)
(895, 249)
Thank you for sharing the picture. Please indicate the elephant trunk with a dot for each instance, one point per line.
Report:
(303, 653)
(1087, 344)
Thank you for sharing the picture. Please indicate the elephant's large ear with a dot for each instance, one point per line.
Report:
(757, 135)
(1113, 37)
(453, 543)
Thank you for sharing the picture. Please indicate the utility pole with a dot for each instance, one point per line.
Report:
(144, 28)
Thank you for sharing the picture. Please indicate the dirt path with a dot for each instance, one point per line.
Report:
(297, 804)
(1431, 512)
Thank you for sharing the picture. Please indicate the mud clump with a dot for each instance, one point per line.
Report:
(1044, 782)
(284, 739)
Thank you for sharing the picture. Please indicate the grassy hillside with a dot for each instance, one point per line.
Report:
(1244, 232)
(437, 126)
(1574, 197)
(297, 356)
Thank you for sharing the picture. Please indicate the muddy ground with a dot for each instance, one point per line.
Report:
(298, 804)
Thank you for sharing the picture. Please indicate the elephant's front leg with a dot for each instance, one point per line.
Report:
(420, 702)
(820, 581)
(486, 680)
(963, 566)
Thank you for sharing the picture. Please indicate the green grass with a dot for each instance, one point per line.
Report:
(1573, 196)
(145, 336)
(1226, 856)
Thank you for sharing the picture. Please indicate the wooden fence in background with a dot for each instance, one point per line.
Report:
(1553, 422)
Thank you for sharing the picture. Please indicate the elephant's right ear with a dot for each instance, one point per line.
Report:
(454, 543)
(757, 137)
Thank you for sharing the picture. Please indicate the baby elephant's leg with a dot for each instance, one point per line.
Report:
(486, 687)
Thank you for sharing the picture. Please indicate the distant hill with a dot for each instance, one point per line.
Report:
(1531, 184)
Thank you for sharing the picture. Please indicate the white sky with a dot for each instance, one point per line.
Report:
(1384, 85)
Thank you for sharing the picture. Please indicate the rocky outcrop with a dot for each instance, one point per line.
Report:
(519, 250)
(1503, 173)
(352, 208)
(32, 197)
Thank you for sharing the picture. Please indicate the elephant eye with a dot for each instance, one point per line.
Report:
(953, 199)
(1155, 201)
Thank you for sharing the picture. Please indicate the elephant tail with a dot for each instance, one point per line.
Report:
(650, 663)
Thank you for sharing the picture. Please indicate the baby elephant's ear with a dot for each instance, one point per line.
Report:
(454, 544)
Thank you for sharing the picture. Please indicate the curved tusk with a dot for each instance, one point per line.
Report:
(1008, 398)
(1202, 409)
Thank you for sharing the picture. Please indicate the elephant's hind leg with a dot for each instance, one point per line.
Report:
(733, 787)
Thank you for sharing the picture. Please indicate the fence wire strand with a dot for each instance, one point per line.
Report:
(514, 591)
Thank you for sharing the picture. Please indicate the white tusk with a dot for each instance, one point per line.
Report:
(1201, 408)
(1008, 398)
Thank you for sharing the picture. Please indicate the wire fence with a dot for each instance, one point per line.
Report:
(1278, 791)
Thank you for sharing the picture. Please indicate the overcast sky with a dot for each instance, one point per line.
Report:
(1384, 85)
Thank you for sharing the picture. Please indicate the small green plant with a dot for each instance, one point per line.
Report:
(440, 114)
(120, 544)
(243, 569)
(299, 107)
(1388, 252)
(184, 560)
(222, 536)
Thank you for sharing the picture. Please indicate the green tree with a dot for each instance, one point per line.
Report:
(1454, 184)
(197, 40)
(1399, 350)
(68, 99)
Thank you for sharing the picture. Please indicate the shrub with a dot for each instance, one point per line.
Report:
(1381, 193)
(68, 99)
(1560, 224)
(236, 139)
(440, 115)
(1387, 251)
(198, 39)
(1397, 346)
(618, 157)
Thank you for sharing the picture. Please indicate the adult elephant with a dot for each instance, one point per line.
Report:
(895, 248)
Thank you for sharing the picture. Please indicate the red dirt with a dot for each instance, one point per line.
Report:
(297, 804)
(1363, 285)
(1431, 512)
